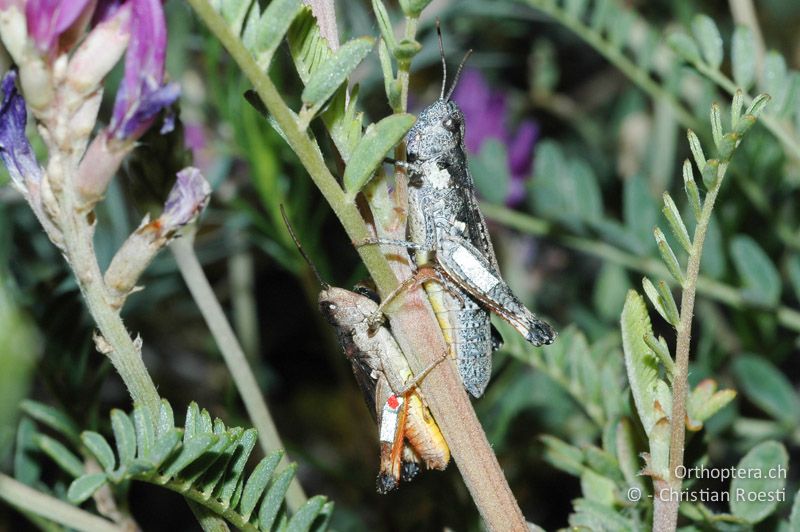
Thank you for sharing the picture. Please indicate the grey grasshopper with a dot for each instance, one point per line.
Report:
(453, 250)
(408, 434)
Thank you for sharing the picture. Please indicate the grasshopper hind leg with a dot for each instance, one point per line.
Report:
(474, 346)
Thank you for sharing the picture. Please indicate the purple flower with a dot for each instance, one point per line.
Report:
(15, 150)
(486, 115)
(49, 19)
(485, 111)
(143, 94)
(186, 200)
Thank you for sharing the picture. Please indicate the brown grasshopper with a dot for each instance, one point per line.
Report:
(455, 256)
(408, 433)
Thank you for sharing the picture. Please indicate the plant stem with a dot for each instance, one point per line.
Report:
(680, 378)
(249, 391)
(78, 232)
(706, 286)
(30, 500)
(414, 324)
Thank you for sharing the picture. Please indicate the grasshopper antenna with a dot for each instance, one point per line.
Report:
(444, 63)
(458, 74)
(301, 250)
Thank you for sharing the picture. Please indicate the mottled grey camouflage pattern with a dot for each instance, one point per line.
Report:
(446, 226)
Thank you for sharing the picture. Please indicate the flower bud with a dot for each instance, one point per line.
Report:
(98, 54)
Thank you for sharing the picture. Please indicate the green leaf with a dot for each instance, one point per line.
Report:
(737, 104)
(641, 363)
(766, 387)
(190, 451)
(27, 468)
(308, 47)
(371, 149)
(489, 169)
(234, 14)
(124, 435)
(728, 143)
(762, 283)
(610, 289)
(661, 350)
(598, 488)
(257, 482)
(330, 75)
(651, 292)
(707, 35)
(765, 460)
(711, 174)
(145, 437)
(163, 447)
(272, 26)
(52, 418)
(640, 210)
(100, 448)
(562, 455)
(743, 56)
(672, 215)
(575, 8)
(794, 517)
(274, 498)
(84, 487)
(166, 420)
(774, 73)
(591, 515)
(793, 269)
(406, 50)
(684, 46)
(384, 24)
(697, 149)
(692, 192)
(388, 75)
(301, 521)
(627, 453)
(669, 256)
(716, 124)
(757, 105)
(704, 401)
(235, 470)
(251, 27)
(62, 456)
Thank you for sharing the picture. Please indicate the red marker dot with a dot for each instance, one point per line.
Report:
(392, 402)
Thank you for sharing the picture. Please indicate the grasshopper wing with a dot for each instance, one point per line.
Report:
(468, 268)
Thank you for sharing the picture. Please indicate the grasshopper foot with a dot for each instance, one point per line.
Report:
(374, 322)
(386, 483)
(540, 333)
(410, 471)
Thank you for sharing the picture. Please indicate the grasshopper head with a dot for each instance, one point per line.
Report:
(439, 129)
(345, 309)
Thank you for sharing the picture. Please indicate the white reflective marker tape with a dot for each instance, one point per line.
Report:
(474, 270)
(391, 411)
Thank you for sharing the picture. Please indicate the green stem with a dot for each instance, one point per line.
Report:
(78, 234)
(302, 145)
(788, 317)
(665, 509)
(235, 359)
(30, 500)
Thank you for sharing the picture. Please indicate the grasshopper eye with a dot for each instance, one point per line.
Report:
(451, 124)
